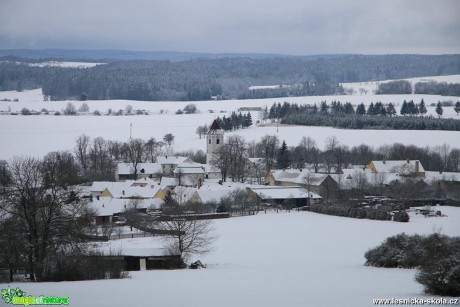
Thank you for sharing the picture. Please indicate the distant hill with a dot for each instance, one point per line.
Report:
(201, 76)
(67, 54)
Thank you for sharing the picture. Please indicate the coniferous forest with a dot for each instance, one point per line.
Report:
(376, 116)
(224, 78)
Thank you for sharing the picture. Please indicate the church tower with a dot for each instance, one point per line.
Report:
(214, 141)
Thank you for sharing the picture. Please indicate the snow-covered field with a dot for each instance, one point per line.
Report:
(39, 134)
(371, 87)
(285, 259)
(66, 64)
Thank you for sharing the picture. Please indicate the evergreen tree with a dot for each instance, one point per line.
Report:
(324, 108)
(422, 108)
(283, 159)
(404, 110)
(361, 109)
(272, 112)
(391, 111)
(348, 108)
(371, 109)
(439, 109)
(411, 108)
(457, 107)
(247, 121)
(315, 109)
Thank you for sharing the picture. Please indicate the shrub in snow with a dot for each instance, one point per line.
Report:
(441, 276)
(436, 256)
(397, 251)
(25, 111)
(401, 216)
(345, 211)
(190, 109)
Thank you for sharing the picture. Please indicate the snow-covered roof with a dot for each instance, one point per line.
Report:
(185, 180)
(142, 168)
(298, 176)
(347, 180)
(171, 160)
(145, 181)
(444, 176)
(208, 196)
(275, 192)
(213, 185)
(134, 192)
(256, 160)
(183, 194)
(111, 206)
(397, 166)
(189, 168)
(99, 186)
(138, 247)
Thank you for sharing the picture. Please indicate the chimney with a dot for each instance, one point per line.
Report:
(408, 160)
(417, 167)
(384, 161)
(123, 192)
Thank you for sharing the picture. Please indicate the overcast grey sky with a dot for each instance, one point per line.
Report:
(300, 27)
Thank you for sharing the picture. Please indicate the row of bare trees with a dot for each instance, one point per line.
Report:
(97, 157)
(232, 158)
(40, 214)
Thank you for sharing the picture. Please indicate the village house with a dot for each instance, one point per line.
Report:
(169, 163)
(107, 208)
(322, 184)
(125, 171)
(279, 195)
(140, 255)
(407, 167)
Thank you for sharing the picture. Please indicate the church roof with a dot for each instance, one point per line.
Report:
(214, 126)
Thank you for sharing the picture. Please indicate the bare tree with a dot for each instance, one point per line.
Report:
(70, 109)
(308, 180)
(81, 152)
(151, 150)
(84, 108)
(202, 130)
(269, 147)
(169, 139)
(379, 180)
(46, 210)
(187, 235)
(136, 153)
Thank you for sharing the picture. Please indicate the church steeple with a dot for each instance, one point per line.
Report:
(214, 141)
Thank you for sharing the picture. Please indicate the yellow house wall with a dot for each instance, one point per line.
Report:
(160, 194)
(106, 193)
(372, 167)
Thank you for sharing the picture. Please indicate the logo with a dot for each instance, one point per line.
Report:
(18, 297)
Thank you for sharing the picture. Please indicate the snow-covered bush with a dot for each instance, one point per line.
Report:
(442, 275)
(436, 256)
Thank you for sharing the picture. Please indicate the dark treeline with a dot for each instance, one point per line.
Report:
(377, 116)
(429, 88)
(199, 79)
(235, 121)
(305, 89)
(437, 88)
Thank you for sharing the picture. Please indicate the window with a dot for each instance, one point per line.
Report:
(209, 141)
(217, 142)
